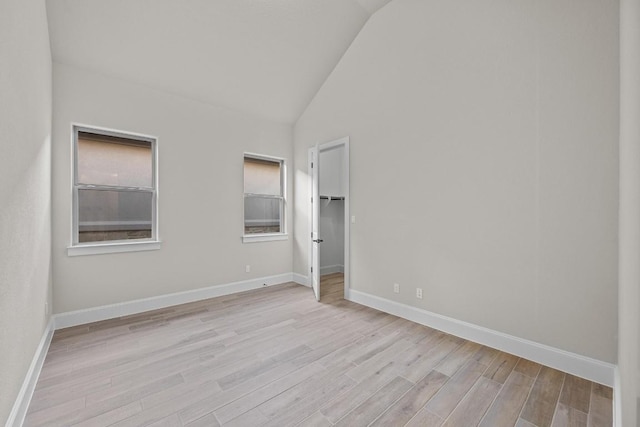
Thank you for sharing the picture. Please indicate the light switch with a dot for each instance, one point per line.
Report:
(353, 219)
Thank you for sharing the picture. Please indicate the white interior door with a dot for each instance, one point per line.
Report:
(315, 221)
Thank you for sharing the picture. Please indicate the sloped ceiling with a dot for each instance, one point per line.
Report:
(264, 57)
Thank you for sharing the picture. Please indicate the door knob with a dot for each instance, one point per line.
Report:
(318, 240)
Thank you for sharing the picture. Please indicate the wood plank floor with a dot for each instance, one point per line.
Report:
(276, 357)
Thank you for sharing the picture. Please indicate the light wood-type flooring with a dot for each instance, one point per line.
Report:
(276, 357)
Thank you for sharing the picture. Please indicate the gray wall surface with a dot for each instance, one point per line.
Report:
(25, 210)
(484, 164)
(200, 186)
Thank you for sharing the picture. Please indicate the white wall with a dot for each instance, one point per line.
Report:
(484, 164)
(200, 192)
(332, 234)
(332, 170)
(25, 196)
(629, 320)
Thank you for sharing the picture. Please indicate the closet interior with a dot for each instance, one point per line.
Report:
(332, 197)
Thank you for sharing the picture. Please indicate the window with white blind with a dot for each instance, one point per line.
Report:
(114, 192)
(264, 198)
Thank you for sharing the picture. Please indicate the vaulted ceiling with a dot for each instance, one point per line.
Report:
(264, 57)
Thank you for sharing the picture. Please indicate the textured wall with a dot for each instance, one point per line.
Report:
(25, 195)
(332, 233)
(200, 166)
(629, 320)
(484, 163)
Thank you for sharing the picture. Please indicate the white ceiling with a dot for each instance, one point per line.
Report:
(265, 57)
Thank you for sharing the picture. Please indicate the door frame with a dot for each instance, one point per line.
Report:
(344, 141)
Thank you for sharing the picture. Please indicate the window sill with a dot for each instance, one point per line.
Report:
(111, 248)
(253, 238)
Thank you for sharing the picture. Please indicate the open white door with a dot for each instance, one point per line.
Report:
(315, 221)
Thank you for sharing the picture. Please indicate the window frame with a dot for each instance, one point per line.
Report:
(267, 237)
(112, 246)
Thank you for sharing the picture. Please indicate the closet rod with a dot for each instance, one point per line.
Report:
(331, 198)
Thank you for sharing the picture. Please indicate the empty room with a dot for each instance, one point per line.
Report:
(320, 213)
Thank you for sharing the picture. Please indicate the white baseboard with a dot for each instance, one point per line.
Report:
(80, 317)
(575, 364)
(301, 280)
(20, 406)
(617, 401)
(329, 269)
(306, 281)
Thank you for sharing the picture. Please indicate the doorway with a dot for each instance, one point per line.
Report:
(329, 214)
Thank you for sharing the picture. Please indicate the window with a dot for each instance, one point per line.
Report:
(114, 192)
(264, 198)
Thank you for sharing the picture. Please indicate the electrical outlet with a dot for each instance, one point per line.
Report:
(419, 293)
(396, 288)
(247, 268)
